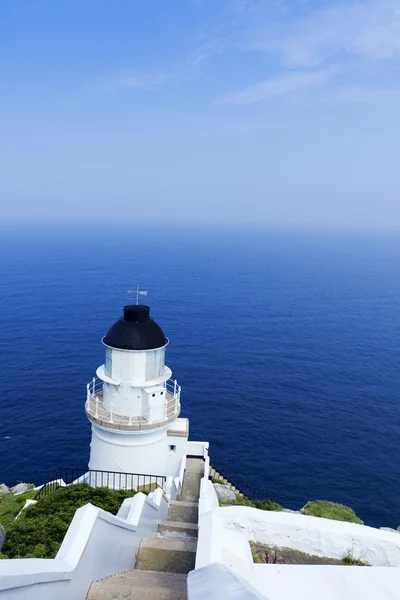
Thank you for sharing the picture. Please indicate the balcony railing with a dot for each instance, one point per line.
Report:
(111, 415)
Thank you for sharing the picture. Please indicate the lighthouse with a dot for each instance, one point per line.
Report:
(133, 404)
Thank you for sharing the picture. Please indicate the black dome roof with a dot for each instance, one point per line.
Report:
(135, 331)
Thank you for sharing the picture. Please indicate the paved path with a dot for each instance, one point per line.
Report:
(162, 562)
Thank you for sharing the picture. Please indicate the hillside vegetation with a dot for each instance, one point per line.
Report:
(10, 505)
(331, 510)
(266, 504)
(40, 530)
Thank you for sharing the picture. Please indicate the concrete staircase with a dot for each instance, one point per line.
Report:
(162, 562)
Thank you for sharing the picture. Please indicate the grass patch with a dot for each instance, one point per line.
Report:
(240, 501)
(266, 504)
(256, 558)
(353, 562)
(40, 530)
(331, 510)
(10, 506)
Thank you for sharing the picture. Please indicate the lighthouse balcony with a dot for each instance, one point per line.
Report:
(113, 416)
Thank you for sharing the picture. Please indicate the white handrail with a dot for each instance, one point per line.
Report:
(115, 412)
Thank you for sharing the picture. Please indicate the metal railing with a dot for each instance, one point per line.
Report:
(113, 412)
(229, 477)
(135, 482)
(222, 472)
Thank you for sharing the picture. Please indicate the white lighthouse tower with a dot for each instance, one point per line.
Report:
(133, 404)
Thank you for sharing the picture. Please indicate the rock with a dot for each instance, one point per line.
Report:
(224, 493)
(398, 529)
(293, 512)
(4, 489)
(389, 529)
(20, 488)
(2, 536)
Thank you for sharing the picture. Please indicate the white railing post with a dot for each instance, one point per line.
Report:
(175, 382)
(97, 408)
(94, 385)
(88, 391)
(111, 414)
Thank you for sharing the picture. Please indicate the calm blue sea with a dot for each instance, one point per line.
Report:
(286, 346)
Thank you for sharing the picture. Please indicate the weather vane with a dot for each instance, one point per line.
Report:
(138, 293)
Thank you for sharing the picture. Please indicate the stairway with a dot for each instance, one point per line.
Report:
(163, 562)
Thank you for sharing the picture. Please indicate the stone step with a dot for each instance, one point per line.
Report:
(167, 555)
(191, 487)
(186, 512)
(177, 529)
(143, 585)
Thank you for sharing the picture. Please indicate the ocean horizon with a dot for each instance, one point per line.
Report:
(285, 344)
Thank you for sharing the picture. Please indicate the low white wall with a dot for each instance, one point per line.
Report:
(326, 582)
(173, 485)
(225, 568)
(216, 543)
(208, 499)
(97, 545)
(217, 581)
(322, 537)
(198, 449)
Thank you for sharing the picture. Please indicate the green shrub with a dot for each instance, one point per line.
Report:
(40, 530)
(331, 510)
(353, 562)
(267, 504)
(244, 501)
(10, 506)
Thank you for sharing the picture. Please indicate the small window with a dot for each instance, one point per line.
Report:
(153, 395)
(108, 363)
(172, 448)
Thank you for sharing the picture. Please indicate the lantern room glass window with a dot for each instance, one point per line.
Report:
(108, 363)
(155, 363)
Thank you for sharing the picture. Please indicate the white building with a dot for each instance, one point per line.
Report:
(133, 404)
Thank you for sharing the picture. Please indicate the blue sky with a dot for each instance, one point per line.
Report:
(278, 112)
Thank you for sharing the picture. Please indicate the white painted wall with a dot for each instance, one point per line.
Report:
(97, 545)
(134, 382)
(326, 582)
(137, 452)
(216, 582)
(174, 457)
(198, 449)
(223, 547)
(322, 537)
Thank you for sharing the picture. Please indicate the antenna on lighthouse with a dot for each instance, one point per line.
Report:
(138, 294)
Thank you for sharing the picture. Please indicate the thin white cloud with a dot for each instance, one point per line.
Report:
(304, 51)
(161, 79)
(145, 81)
(370, 28)
(359, 95)
(278, 86)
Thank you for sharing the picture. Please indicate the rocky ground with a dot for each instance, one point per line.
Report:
(263, 553)
(17, 489)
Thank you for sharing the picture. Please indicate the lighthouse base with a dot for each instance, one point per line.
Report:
(156, 452)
